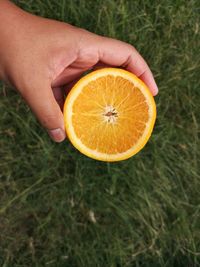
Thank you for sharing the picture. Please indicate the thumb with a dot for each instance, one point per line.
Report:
(43, 103)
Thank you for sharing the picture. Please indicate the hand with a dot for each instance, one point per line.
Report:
(40, 57)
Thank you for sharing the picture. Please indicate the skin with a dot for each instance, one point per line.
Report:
(43, 58)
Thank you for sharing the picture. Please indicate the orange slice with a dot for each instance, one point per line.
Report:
(109, 114)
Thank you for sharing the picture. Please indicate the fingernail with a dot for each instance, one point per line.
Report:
(58, 135)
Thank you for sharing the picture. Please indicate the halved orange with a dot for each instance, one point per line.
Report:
(109, 114)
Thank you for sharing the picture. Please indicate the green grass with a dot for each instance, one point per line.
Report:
(147, 208)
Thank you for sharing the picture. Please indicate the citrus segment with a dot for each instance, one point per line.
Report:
(109, 114)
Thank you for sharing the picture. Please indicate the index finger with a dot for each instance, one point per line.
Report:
(118, 53)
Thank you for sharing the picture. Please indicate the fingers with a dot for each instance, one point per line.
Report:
(44, 105)
(101, 65)
(147, 78)
(117, 53)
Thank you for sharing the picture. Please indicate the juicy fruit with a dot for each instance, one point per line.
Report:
(109, 114)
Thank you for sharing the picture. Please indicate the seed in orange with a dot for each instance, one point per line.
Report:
(109, 114)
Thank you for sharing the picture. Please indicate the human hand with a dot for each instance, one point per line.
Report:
(42, 58)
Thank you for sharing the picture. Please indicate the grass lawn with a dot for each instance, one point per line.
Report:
(59, 208)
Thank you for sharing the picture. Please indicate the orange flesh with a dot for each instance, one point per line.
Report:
(110, 115)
